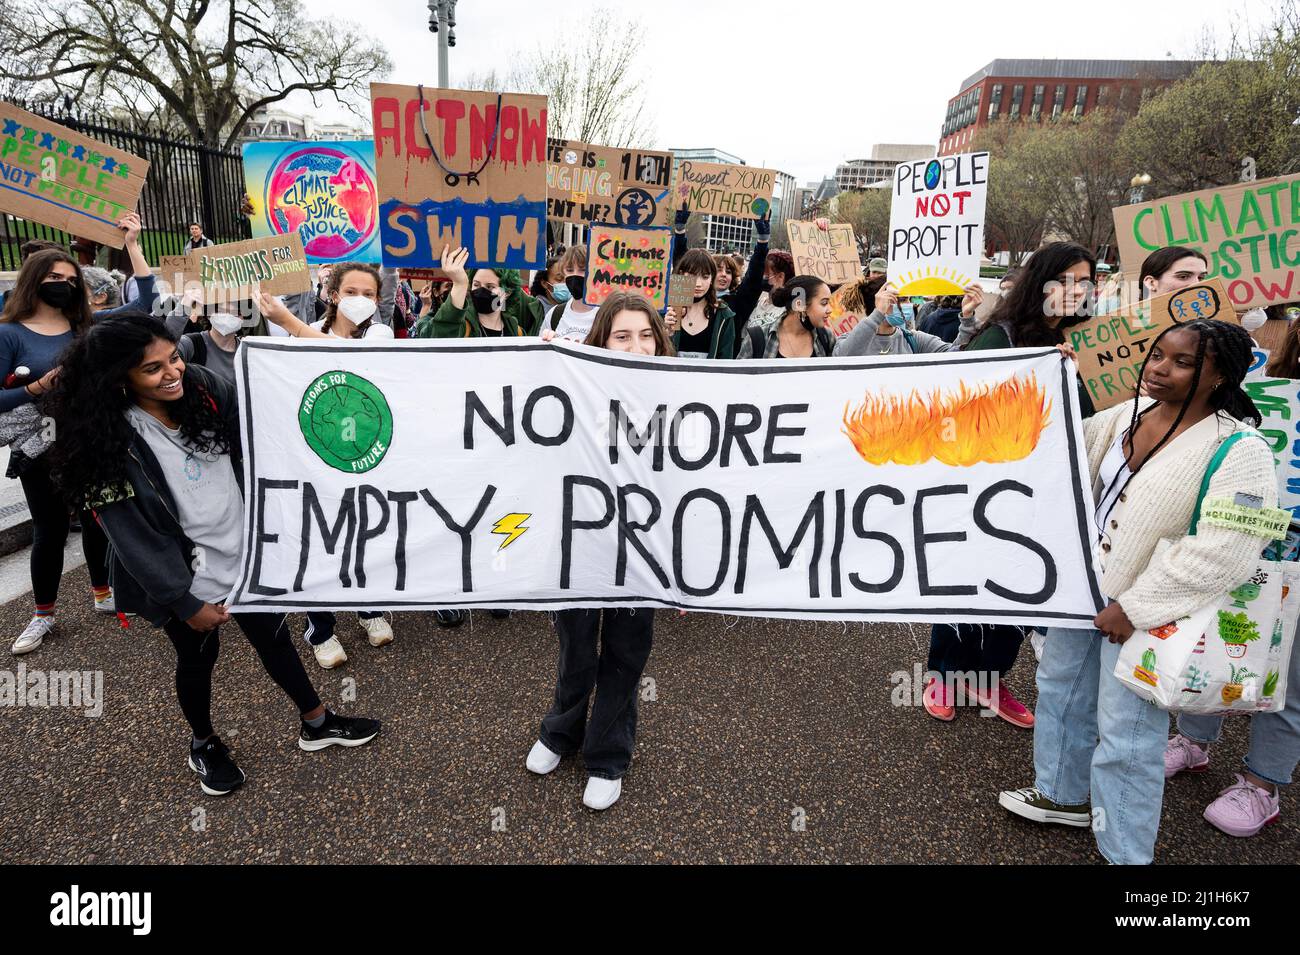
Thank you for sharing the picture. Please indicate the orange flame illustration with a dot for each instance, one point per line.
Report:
(992, 423)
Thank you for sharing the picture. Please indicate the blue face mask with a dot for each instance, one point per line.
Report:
(900, 314)
(560, 293)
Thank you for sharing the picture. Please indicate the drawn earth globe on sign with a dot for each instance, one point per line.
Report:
(326, 196)
(346, 420)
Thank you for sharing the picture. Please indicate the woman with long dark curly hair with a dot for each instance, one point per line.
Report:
(152, 446)
(1052, 291)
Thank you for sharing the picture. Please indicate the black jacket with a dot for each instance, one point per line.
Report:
(149, 558)
(942, 323)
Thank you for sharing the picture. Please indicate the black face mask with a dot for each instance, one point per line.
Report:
(577, 285)
(766, 286)
(484, 299)
(56, 294)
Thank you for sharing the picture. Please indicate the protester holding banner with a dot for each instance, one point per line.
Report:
(153, 446)
(1253, 801)
(885, 331)
(624, 322)
(1054, 285)
(494, 307)
(803, 332)
(1095, 739)
(707, 329)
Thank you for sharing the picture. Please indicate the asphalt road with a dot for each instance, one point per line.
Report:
(756, 726)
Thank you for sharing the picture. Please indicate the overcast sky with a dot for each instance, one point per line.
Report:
(801, 85)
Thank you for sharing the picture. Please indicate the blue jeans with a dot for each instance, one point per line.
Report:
(1274, 737)
(1094, 738)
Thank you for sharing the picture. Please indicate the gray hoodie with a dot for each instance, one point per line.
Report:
(864, 339)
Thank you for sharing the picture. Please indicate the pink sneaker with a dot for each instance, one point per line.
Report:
(1243, 809)
(938, 701)
(1184, 756)
(1007, 706)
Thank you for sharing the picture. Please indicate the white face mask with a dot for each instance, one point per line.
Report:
(1254, 318)
(357, 308)
(223, 323)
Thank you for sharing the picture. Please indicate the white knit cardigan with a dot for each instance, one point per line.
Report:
(1157, 505)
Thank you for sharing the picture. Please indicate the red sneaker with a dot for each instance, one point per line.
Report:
(1007, 706)
(938, 701)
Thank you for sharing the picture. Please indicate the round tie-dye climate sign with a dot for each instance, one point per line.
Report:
(325, 195)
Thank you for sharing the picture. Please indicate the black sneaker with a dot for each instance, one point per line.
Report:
(500, 614)
(449, 618)
(1030, 803)
(338, 731)
(218, 774)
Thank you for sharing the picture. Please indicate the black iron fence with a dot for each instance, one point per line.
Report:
(187, 182)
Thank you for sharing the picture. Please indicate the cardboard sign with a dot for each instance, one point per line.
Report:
(1247, 231)
(587, 478)
(831, 254)
(628, 260)
(627, 187)
(936, 224)
(744, 192)
(60, 178)
(460, 169)
(423, 275)
(1278, 401)
(239, 270)
(681, 290)
(326, 192)
(1111, 348)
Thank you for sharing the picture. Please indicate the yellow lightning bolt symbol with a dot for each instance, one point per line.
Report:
(512, 525)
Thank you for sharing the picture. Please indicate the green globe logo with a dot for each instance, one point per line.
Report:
(346, 420)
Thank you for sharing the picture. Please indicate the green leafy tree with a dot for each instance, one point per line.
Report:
(201, 66)
(1205, 130)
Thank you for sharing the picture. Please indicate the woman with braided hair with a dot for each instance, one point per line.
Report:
(1097, 746)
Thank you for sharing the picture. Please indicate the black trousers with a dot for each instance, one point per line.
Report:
(974, 647)
(196, 656)
(624, 636)
(320, 624)
(50, 519)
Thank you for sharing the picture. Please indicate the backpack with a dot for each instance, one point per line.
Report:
(199, 342)
(758, 340)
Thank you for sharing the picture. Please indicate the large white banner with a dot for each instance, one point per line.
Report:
(533, 475)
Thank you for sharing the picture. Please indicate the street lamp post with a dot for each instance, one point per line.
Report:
(442, 21)
(1138, 186)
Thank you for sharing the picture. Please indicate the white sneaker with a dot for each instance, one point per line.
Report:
(541, 760)
(107, 605)
(601, 793)
(378, 632)
(33, 636)
(330, 654)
